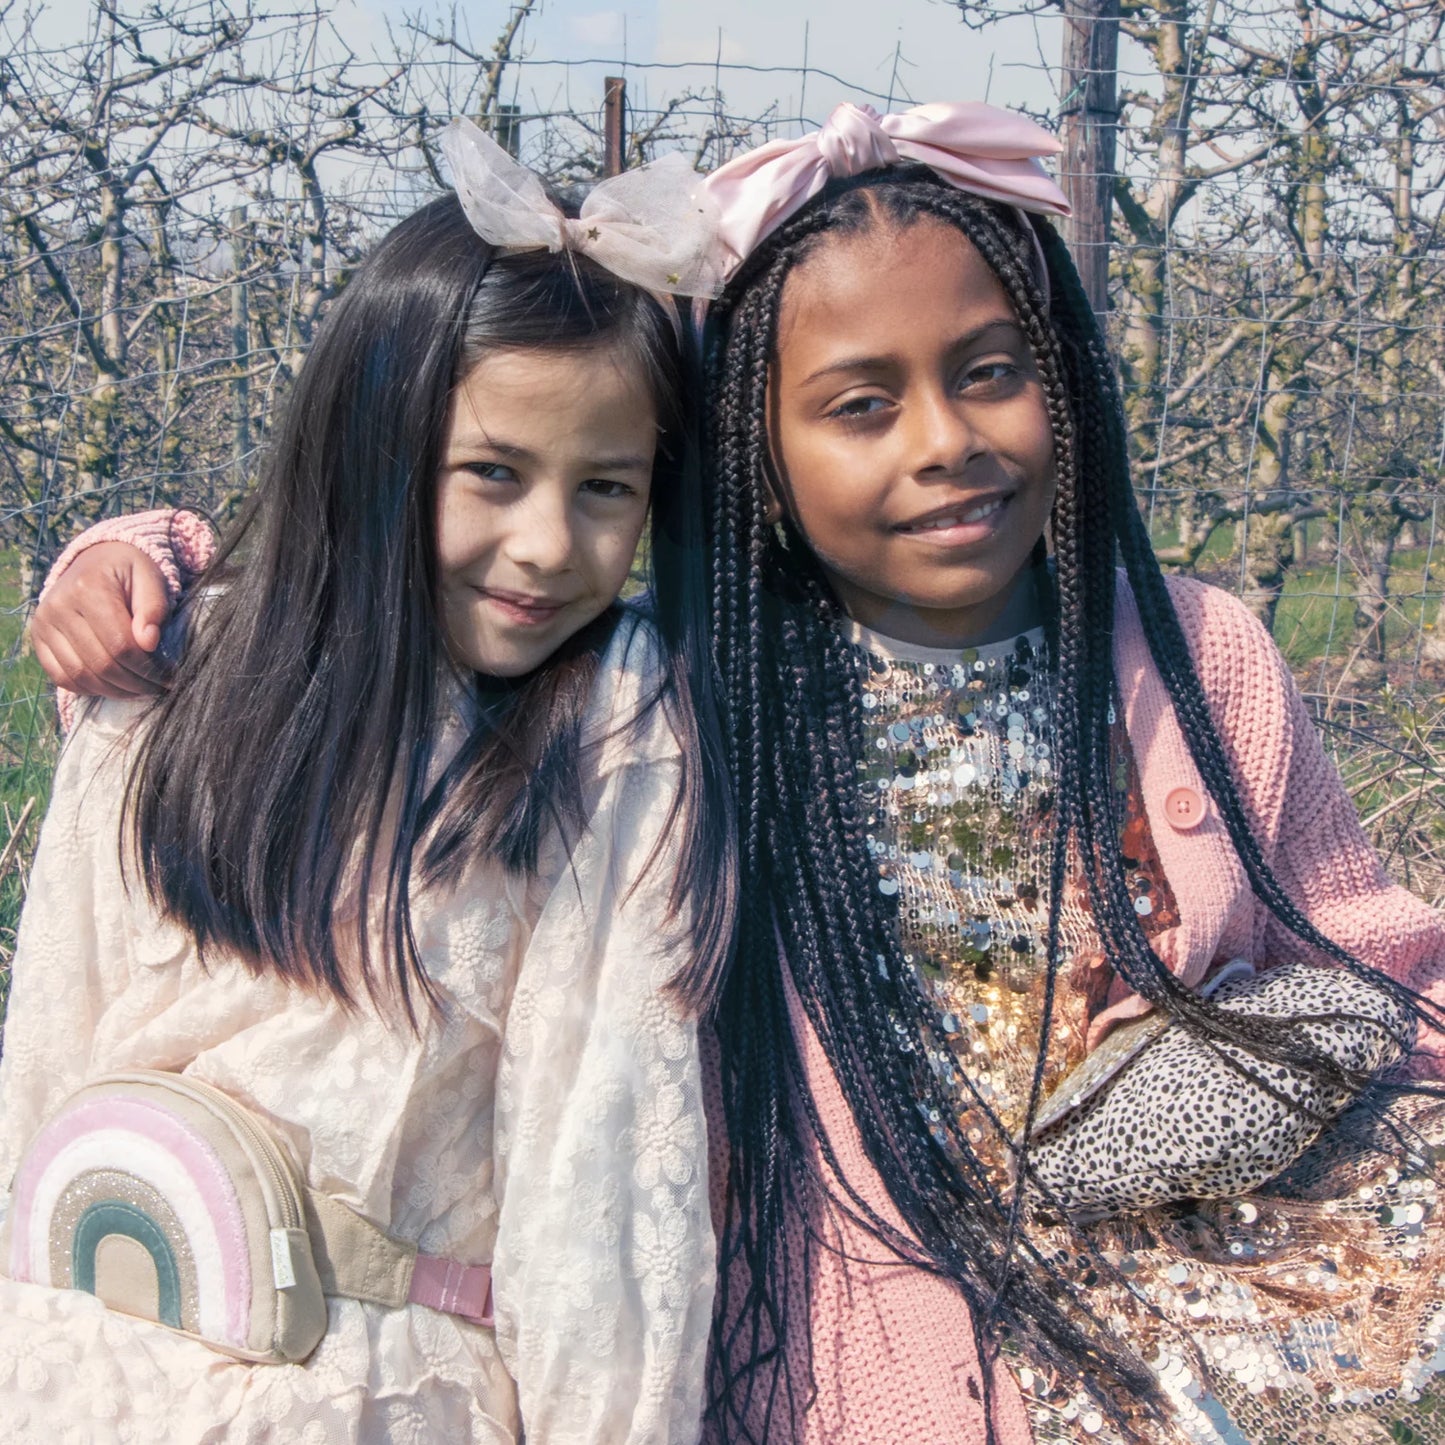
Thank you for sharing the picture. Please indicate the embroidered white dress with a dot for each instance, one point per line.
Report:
(548, 1119)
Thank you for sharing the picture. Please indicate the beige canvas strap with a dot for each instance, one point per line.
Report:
(357, 1260)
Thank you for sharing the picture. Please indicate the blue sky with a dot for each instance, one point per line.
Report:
(911, 50)
(914, 49)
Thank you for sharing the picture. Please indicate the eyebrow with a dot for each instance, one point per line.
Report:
(458, 454)
(878, 363)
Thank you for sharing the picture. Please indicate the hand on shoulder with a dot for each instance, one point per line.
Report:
(97, 628)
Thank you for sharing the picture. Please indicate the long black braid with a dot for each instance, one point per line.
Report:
(811, 918)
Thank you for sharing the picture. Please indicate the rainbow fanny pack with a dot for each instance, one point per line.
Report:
(168, 1200)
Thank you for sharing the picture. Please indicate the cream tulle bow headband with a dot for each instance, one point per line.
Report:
(654, 226)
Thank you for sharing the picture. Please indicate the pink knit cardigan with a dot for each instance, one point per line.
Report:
(893, 1353)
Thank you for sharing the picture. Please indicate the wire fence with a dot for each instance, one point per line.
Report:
(186, 188)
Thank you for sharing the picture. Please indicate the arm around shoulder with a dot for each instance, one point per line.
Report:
(180, 543)
(97, 627)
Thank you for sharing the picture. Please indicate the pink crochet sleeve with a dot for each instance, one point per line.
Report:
(180, 543)
(1325, 863)
(1301, 814)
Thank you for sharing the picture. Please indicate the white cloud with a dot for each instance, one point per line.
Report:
(700, 46)
(603, 27)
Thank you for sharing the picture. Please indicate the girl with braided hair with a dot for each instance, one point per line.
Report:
(1059, 943)
(390, 886)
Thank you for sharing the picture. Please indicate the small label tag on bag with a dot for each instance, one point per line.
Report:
(282, 1270)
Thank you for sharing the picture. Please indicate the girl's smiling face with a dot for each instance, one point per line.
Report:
(543, 494)
(910, 432)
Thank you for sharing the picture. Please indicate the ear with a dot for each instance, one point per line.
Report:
(772, 507)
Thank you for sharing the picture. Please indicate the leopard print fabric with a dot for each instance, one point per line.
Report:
(1185, 1120)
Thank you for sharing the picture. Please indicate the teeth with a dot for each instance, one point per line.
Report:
(956, 519)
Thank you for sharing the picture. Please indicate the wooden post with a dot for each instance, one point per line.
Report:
(614, 117)
(1090, 119)
(507, 128)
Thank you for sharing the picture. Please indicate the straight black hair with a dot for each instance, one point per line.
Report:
(286, 794)
(810, 912)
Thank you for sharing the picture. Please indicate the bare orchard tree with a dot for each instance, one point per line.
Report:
(186, 187)
(483, 82)
(1280, 184)
(182, 191)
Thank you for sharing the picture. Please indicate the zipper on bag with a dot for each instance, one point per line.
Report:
(276, 1167)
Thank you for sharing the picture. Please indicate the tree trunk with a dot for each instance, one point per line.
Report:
(1268, 555)
(1378, 546)
(241, 354)
(1177, 47)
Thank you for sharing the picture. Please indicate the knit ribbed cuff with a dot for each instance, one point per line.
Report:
(180, 543)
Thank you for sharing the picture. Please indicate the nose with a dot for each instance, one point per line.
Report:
(542, 537)
(942, 437)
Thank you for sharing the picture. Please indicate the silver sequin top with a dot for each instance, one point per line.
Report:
(958, 780)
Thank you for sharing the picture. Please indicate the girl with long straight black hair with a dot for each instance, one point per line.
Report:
(418, 861)
(1060, 947)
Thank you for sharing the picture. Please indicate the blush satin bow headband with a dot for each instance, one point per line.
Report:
(653, 226)
(973, 146)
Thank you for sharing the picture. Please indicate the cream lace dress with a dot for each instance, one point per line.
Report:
(548, 1120)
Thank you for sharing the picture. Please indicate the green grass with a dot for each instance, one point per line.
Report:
(27, 755)
(1312, 620)
(1315, 618)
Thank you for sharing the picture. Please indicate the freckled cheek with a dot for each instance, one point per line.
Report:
(624, 557)
(606, 559)
(465, 530)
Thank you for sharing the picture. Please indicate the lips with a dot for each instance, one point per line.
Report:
(521, 607)
(960, 514)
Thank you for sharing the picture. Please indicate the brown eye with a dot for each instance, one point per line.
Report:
(858, 406)
(991, 372)
(600, 487)
(491, 471)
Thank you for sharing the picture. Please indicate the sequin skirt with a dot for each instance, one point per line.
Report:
(1311, 1312)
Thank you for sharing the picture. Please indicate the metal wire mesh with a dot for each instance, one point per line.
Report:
(186, 188)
